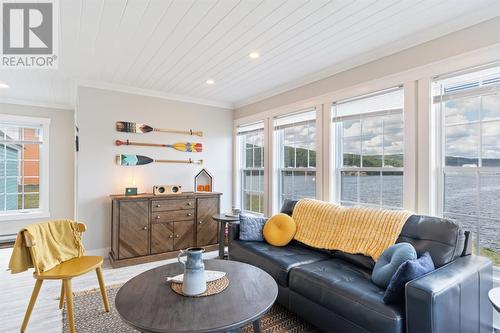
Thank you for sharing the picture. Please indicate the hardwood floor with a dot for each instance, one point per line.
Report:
(15, 292)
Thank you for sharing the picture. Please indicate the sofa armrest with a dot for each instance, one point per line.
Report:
(453, 298)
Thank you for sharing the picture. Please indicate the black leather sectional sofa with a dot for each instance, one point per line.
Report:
(333, 290)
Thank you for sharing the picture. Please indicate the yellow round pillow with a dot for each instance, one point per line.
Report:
(279, 230)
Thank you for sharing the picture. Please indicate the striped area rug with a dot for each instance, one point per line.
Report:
(90, 316)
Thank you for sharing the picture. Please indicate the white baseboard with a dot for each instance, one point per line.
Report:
(103, 252)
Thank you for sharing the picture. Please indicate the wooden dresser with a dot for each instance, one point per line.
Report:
(146, 227)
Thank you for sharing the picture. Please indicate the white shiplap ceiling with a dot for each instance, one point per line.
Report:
(171, 47)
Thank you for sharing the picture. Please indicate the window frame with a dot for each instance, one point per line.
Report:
(242, 169)
(336, 143)
(439, 154)
(278, 143)
(44, 209)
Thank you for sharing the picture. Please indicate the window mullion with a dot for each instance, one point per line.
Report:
(478, 205)
(22, 165)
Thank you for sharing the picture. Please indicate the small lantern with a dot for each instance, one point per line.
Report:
(203, 181)
(131, 190)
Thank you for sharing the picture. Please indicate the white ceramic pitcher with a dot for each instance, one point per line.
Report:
(195, 280)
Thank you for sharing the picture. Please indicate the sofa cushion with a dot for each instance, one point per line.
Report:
(277, 261)
(279, 229)
(442, 238)
(356, 259)
(347, 290)
(288, 206)
(251, 228)
(389, 262)
(407, 272)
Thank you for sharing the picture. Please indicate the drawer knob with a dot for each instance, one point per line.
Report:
(189, 214)
(145, 228)
(177, 236)
(189, 203)
(171, 236)
(200, 222)
(158, 217)
(158, 205)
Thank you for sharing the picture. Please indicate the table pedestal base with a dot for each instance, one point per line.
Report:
(256, 328)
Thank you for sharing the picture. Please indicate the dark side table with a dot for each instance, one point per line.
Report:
(223, 220)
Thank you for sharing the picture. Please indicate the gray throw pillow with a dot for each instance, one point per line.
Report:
(251, 228)
(409, 270)
(389, 262)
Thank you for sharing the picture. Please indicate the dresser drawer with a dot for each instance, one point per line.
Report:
(172, 204)
(173, 215)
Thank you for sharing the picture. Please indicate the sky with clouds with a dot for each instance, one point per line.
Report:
(368, 135)
(462, 116)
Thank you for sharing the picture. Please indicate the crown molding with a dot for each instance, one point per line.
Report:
(25, 102)
(153, 93)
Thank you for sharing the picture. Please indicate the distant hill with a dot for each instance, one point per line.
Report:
(459, 161)
(395, 160)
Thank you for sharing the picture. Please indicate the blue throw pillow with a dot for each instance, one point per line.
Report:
(251, 228)
(408, 271)
(389, 262)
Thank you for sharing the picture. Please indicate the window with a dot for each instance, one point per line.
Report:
(295, 146)
(369, 138)
(251, 167)
(467, 109)
(23, 167)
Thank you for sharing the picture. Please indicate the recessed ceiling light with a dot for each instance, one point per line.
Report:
(210, 81)
(4, 85)
(254, 55)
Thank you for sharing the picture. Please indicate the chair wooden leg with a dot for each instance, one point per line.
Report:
(34, 295)
(61, 298)
(69, 304)
(103, 288)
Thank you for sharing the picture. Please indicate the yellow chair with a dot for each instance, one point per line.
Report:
(65, 271)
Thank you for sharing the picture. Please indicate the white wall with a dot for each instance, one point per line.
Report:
(98, 175)
(61, 162)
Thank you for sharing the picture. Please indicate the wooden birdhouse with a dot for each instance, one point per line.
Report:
(203, 181)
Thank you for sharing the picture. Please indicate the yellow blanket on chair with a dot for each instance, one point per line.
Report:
(366, 231)
(54, 242)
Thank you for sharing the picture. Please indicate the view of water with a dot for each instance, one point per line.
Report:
(374, 189)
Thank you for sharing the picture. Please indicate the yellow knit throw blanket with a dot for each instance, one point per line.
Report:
(54, 242)
(366, 231)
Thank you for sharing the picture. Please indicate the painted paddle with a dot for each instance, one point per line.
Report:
(130, 127)
(191, 147)
(131, 160)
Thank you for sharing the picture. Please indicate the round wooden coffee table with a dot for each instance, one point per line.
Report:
(148, 304)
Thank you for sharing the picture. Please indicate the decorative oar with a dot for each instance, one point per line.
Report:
(130, 160)
(191, 147)
(130, 127)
